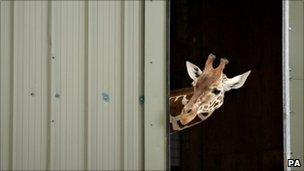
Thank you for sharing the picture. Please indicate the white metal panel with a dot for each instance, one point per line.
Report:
(71, 80)
(296, 39)
(296, 42)
(29, 84)
(67, 85)
(23, 85)
(133, 85)
(296, 119)
(105, 66)
(155, 86)
(6, 82)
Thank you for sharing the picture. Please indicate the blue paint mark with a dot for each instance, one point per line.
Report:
(105, 97)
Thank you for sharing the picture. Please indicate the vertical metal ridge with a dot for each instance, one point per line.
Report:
(64, 84)
(100, 85)
(93, 98)
(35, 89)
(1, 107)
(97, 94)
(285, 80)
(132, 79)
(87, 98)
(114, 117)
(117, 84)
(71, 96)
(120, 57)
(43, 91)
(29, 80)
(123, 139)
(78, 75)
(15, 91)
(141, 83)
(134, 87)
(69, 30)
(23, 113)
(110, 87)
(143, 39)
(12, 90)
(29, 101)
(1, 103)
(1, 89)
(125, 67)
(168, 45)
(106, 73)
(107, 88)
(49, 85)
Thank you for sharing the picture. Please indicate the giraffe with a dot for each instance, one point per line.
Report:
(192, 105)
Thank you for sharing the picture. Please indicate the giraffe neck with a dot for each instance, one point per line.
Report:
(178, 99)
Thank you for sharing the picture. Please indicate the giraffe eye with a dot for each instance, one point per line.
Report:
(216, 91)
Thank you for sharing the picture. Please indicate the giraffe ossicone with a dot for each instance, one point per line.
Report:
(195, 104)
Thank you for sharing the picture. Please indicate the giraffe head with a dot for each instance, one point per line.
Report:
(209, 87)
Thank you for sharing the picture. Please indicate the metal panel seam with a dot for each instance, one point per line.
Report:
(123, 84)
(49, 84)
(87, 94)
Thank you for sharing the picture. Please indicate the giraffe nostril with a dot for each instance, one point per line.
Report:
(189, 110)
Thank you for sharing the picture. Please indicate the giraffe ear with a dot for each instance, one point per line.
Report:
(193, 70)
(236, 82)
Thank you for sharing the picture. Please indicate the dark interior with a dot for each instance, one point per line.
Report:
(246, 133)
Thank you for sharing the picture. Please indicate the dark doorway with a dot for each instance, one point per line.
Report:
(246, 133)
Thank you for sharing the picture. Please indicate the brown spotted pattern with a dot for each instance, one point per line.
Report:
(179, 98)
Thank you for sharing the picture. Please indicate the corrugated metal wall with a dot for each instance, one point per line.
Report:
(71, 85)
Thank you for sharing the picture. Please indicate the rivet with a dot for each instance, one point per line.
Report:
(57, 95)
(52, 121)
(151, 62)
(141, 100)
(53, 57)
(289, 28)
(151, 124)
(105, 97)
(32, 94)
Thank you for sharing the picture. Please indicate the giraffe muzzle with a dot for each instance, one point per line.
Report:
(188, 116)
